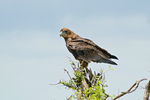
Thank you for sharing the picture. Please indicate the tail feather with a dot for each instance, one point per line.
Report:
(110, 62)
(113, 57)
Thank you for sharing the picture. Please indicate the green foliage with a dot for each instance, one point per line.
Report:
(95, 92)
(87, 88)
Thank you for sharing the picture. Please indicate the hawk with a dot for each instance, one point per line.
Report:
(85, 50)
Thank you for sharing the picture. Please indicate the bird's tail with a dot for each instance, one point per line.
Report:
(110, 62)
(113, 57)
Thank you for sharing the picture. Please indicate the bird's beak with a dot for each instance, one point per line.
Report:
(62, 33)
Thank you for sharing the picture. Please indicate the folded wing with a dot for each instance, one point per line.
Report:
(86, 50)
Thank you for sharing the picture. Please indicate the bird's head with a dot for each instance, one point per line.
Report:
(64, 32)
(67, 33)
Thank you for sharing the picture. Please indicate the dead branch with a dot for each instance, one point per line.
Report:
(56, 83)
(85, 84)
(147, 91)
(134, 87)
(68, 73)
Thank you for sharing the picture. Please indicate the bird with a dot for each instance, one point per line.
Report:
(85, 50)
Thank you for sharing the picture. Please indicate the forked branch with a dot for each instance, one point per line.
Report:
(130, 90)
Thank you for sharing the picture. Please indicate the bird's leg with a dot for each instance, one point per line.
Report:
(83, 64)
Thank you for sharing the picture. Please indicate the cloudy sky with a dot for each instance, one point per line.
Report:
(32, 54)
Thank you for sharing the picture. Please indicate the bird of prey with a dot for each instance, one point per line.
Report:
(85, 50)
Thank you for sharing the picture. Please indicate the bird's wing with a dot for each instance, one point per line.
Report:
(87, 50)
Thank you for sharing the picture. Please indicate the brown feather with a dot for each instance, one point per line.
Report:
(86, 50)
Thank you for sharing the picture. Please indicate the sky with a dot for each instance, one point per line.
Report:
(33, 55)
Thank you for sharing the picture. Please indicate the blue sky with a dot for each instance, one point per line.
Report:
(32, 54)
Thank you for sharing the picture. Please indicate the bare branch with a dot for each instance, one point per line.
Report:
(147, 91)
(56, 83)
(89, 72)
(67, 73)
(135, 86)
(85, 84)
